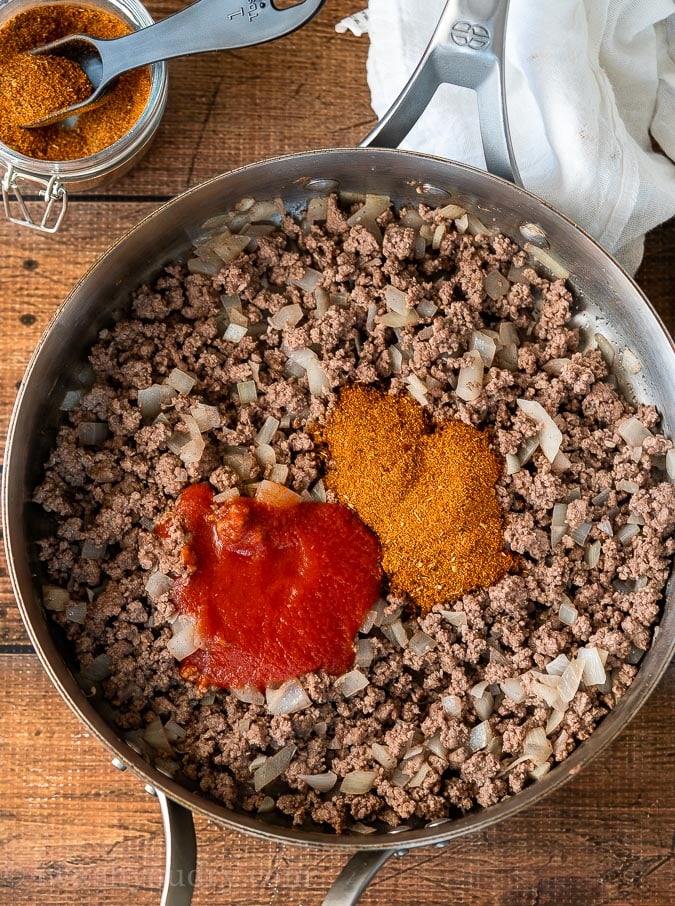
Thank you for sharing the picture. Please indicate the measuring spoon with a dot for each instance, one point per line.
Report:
(203, 26)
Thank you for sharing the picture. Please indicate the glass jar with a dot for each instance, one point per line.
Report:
(26, 179)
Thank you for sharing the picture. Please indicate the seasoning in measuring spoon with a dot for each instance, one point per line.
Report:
(36, 85)
(427, 491)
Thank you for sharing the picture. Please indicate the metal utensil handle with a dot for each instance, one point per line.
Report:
(203, 26)
(466, 49)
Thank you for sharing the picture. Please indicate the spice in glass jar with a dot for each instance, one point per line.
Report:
(31, 86)
(427, 491)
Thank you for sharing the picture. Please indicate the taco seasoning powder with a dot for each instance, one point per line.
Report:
(427, 491)
(34, 86)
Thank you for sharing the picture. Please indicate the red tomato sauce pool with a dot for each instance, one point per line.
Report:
(276, 591)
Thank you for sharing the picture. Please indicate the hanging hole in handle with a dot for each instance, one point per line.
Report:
(532, 232)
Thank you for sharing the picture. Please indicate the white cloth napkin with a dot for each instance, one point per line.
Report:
(589, 83)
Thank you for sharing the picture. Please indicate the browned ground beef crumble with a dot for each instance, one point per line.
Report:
(444, 755)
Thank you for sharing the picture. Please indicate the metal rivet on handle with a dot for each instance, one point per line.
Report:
(434, 193)
(149, 788)
(119, 764)
(533, 233)
(322, 185)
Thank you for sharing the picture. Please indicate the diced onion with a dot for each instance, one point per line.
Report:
(279, 473)
(185, 639)
(567, 613)
(456, 618)
(248, 694)
(477, 228)
(558, 665)
(536, 746)
(360, 828)
(606, 348)
(268, 430)
(550, 262)
(592, 554)
(352, 682)
(670, 463)
(394, 319)
(451, 705)
(580, 534)
(235, 333)
(383, 756)
(450, 212)
(435, 745)
(92, 433)
(396, 300)
(550, 436)
(273, 767)
(630, 487)
(555, 718)
(55, 598)
(247, 392)
(309, 280)
(158, 584)
(462, 222)
(417, 389)
(396, 633)
(420, 643)
(485, 345)
(288, 316)
(317, 379)
(356, 783)
(70, 400)
(76, 612)
(559, 516)
(91, 551)
(155, 736)
(317, 208)
(150, 400)
(426, 309)
(288, 698)
(606, 526)
(569, 681)
(633, 432)
(513, 688)
(480, 736)
(364, 653)
(395, 359)
(419, 776)
(265, 455)
(512, 464)
(593, 667)
(527, 450)
(470, 378)
(630, 362)
(181, 381)
(627, 532)
(206, 417)
(484, 705)
(322, 783)
(496, 285)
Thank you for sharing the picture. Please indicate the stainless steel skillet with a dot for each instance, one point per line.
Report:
(608, 300)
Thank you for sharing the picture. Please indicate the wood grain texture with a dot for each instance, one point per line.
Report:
(75, 831)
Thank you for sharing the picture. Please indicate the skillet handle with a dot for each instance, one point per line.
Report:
(180, 866)
(357, 875)
(466, 49)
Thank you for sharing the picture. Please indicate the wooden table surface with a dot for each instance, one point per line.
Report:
(75, 831)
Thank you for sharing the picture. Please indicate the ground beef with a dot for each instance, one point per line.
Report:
(441, 729)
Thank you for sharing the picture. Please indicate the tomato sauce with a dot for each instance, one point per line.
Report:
(276, 591)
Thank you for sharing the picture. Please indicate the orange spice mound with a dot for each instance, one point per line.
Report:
(427, 491)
